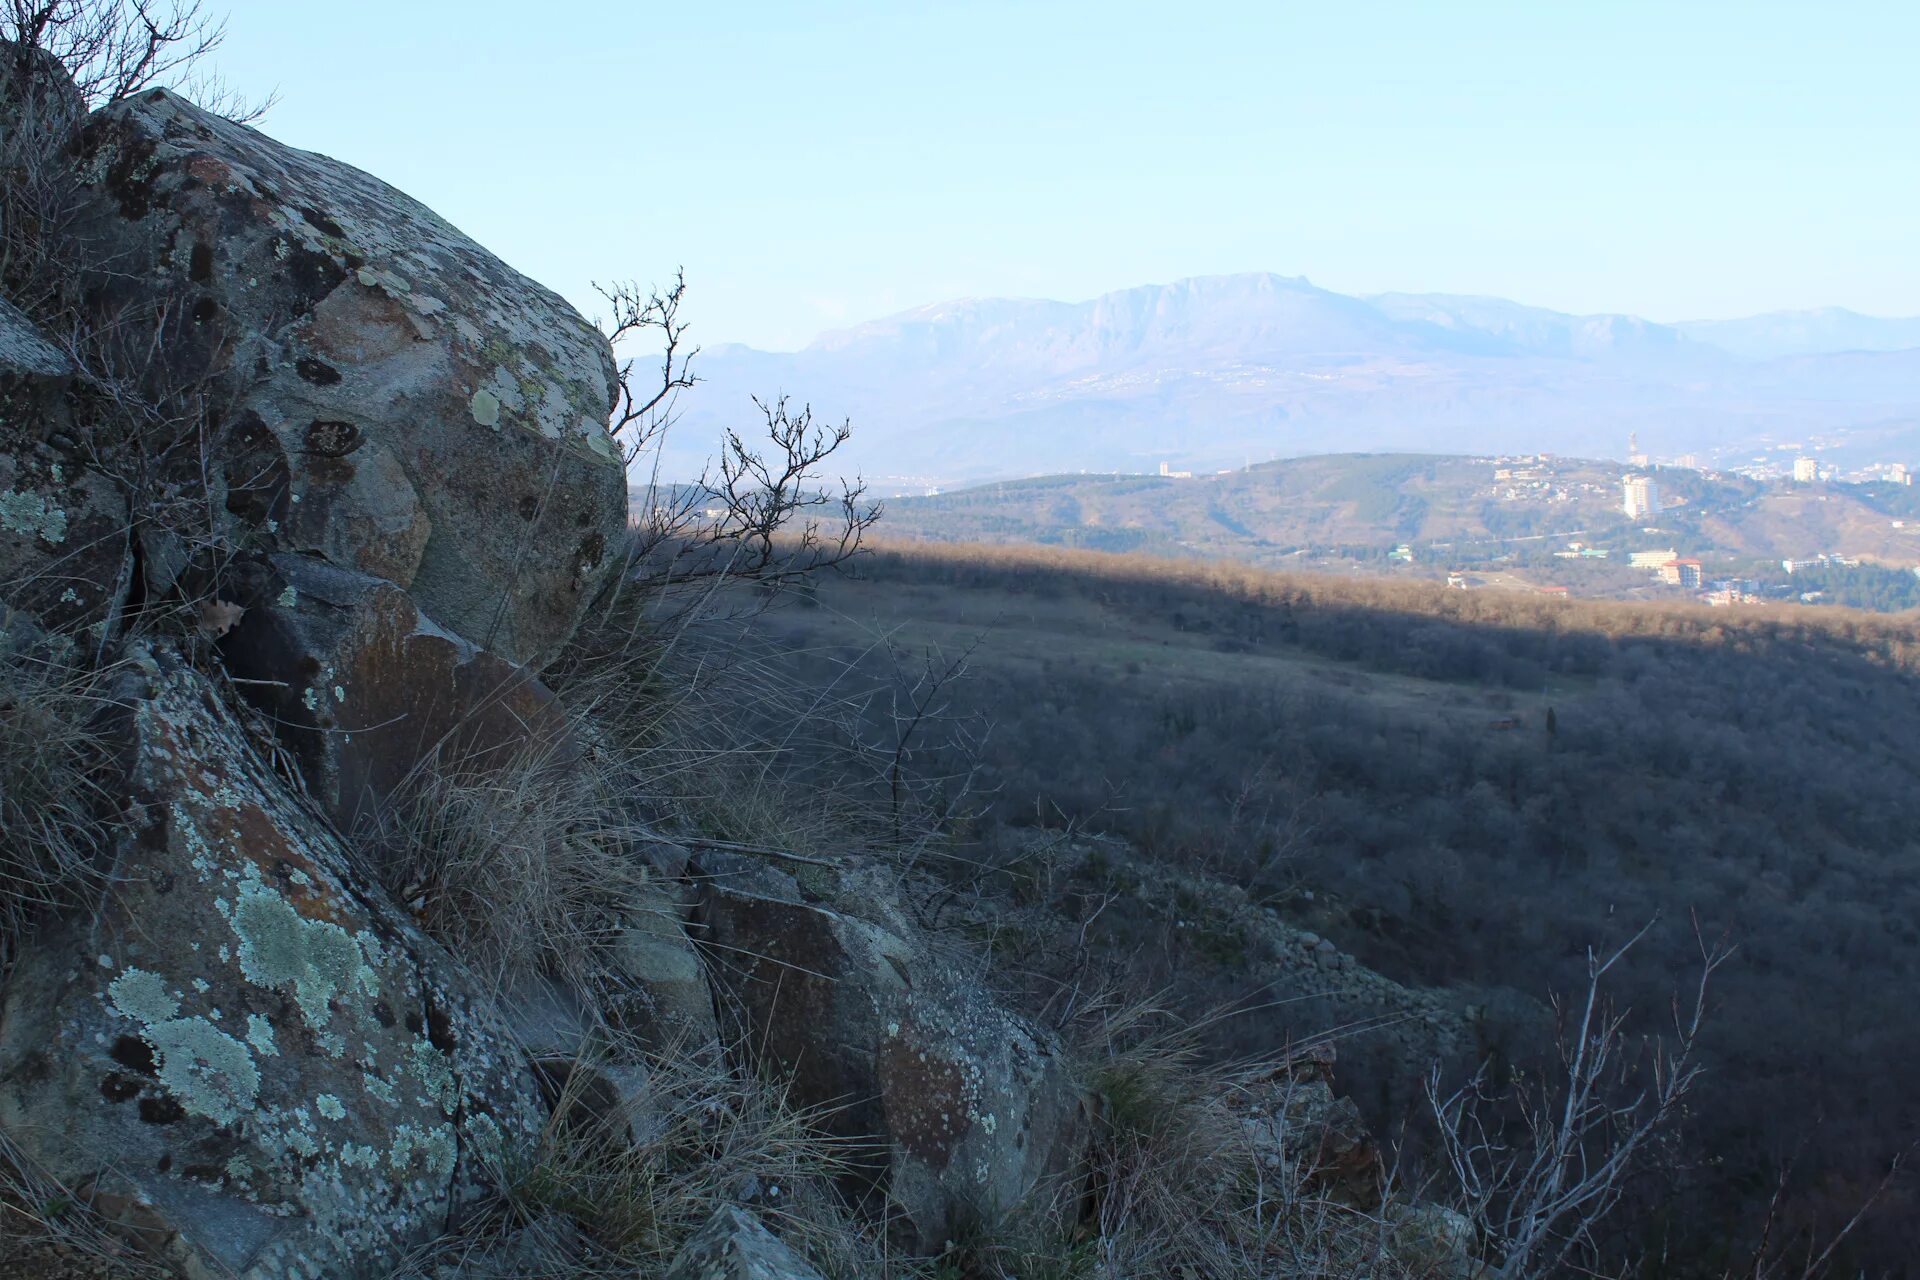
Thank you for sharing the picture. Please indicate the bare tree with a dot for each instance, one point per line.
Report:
(1539, 1196)
(113, 49)
(921, 718)
(765, 510)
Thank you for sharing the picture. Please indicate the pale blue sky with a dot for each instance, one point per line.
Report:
(813, 164)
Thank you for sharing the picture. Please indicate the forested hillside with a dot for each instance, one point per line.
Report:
(1352, 511)
(1468, 790)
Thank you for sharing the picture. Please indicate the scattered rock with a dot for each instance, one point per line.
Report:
(1294, 1121)
(1432, 1240)
(665, 999)
(965, 1111)
(734, 1246)
(250, 1062)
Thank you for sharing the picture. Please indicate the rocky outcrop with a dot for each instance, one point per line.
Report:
(966, 1112)
(251, 1061)
(388, 395)
(1296, 1126)
(734, 1246)
(664, 998)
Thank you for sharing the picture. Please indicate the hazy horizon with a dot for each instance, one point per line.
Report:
(911, 308)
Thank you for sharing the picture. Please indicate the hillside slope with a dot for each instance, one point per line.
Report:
(1465, 791)
(1453, 511)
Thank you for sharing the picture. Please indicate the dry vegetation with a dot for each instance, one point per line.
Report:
(1466, 791)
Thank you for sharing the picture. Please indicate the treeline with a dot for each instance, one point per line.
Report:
(1599, 765)
(1863, 586)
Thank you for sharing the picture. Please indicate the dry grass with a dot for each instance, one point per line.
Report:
(616, 1190)
(51, 751)
(523, 863)
(1187, 1184)
(49, 1231)
(709, 723)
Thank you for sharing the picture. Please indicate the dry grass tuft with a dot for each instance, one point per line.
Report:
(51, 752)
(1188, 1180)
(520, 864)
(48, 1231)
(616, 1190)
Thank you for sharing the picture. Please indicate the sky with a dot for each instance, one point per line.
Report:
(813, 165)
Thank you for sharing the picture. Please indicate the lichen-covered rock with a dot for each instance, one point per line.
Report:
(363, 687)
(734, 1246)
(968, 1112)
(392, 397)
(253, 1065)
(63, 527)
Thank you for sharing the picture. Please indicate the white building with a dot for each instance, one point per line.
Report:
(1640, 497)
(1806, 470)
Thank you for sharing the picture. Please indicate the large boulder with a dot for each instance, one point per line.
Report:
(252, 1064)
(967, 1113)
(385, 393)
(63, 527)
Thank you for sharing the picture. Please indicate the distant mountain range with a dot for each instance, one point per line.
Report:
(1213, 371)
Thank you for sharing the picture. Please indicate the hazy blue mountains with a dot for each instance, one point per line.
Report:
(1209, 372)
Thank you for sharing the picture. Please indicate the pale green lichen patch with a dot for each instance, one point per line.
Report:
(143, 996)
(318, 959)
(260, 1036)
(430, 1068)
(436, 1146)
(33, 515)
(330, 1107)
(207, 1071)
(486, 408)
(378, 1089)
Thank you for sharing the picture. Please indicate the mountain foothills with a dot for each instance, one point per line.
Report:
(1214, 371)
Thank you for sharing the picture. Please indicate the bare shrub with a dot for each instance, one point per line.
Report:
(1540, 1188)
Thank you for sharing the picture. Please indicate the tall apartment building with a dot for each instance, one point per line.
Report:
(1640, 497)
(1806, 470)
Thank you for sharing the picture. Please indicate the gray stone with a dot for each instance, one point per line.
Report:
(63, 528)
(363, 687)
(402, 403)
(1433, 1241)
(734, 1246)
(963, 1111)
(242, 1055)
(666, 1001)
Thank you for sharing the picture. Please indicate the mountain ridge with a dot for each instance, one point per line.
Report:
(1210, 370)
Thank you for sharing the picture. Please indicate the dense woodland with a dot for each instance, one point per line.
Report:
(1467, 790)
